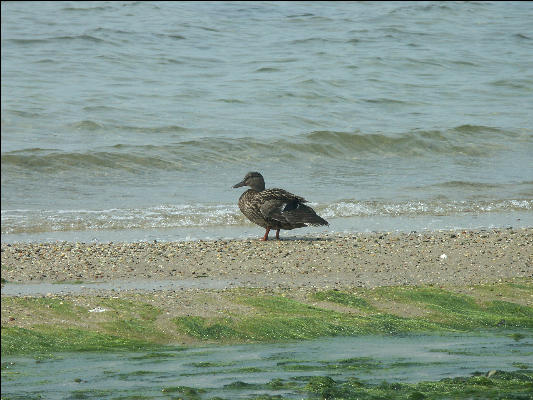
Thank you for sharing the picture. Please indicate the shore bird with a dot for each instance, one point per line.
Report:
(274, 208)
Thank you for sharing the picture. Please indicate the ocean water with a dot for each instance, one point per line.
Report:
(132, 120)
(244, 371)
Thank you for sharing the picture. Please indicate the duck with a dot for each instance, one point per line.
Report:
(274, 208)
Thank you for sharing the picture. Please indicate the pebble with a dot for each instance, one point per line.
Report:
(349, 260)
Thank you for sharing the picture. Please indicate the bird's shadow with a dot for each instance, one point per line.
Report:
(303, 239)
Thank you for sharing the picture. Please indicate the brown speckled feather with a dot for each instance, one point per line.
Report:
(278, 209)
(274, 208)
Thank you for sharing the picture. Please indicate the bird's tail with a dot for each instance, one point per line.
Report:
(304, 215)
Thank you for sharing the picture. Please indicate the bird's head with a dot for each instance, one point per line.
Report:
(254, 180)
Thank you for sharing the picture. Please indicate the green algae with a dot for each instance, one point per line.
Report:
(323, 386)
(349, 364)
(133, 397)
(283, 318)
(132, 320)
(48, 307)
(156, 355)
(185, 392)
(134, 328)
(210, 364)
(215, 330)
(517, 385)
(347, 299)
(269, 318)
(278, 318)
(297, 327)
(241, 370)
(501, 385)
(131, 327)
(517, 336)
(132, 309)
(404, 364)
(455, 352)
(90, 394)
(354, 363)
(261, 328)
(461, 312)
(515, 290)
(528, 286)
(52, 339)
(279, 305)
(243, 385)
(345, 365)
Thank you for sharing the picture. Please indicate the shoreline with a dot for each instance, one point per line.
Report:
(350, 225)
(323, 262)
(243, 291)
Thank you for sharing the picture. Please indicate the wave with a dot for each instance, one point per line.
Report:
(390, 101)
(87, 9)
(300, 15)
(173, 36)
(526, 84)
(522, 36)
(414, 208)
(207, 215)
(267, 69)
(227, 100)
(165, 216)
(413, 143)
(46, 161)
(89, 125)
(315, 40)
(475, 185)
(328, 145)
(88, 38)
(86, 125)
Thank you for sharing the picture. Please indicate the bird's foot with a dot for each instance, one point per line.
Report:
(265, 238)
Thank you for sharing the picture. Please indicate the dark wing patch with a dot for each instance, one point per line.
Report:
(273, 209)
(303, 214)
(291, 205)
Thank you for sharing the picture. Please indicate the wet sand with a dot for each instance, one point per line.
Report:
(340, 261)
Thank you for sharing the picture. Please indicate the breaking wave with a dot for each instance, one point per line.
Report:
(205, 215)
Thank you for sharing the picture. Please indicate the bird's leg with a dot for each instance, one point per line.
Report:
(266, 234)
(277, 234)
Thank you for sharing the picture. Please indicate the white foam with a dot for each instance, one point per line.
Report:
(167, 216)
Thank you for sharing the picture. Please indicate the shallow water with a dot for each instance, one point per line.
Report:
(134, 119)
(342, 225)
(372, 359)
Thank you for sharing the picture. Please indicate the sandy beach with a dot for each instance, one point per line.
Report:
(355, 260)
(242, 291)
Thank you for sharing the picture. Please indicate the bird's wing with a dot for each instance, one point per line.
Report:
(273, 209)
(280, 194)
(285, 207)
(298, 213)
(275, 203)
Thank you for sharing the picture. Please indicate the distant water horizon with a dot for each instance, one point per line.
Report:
(127, 121)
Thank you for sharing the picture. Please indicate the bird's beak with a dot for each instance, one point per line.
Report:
(238, 185)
